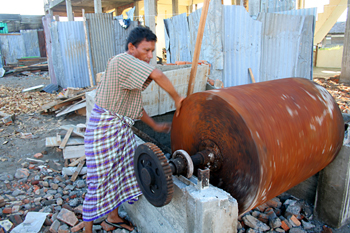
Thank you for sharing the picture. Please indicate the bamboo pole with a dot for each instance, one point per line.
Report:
(198, 46)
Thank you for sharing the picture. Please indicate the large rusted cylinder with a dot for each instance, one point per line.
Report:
(272, 135)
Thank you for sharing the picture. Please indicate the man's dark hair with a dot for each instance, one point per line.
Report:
(139, 34)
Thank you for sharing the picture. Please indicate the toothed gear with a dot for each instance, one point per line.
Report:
(153, 174)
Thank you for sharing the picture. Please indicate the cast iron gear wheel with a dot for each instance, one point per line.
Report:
(153, 174)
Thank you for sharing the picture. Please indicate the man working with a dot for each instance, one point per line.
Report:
(109, 141)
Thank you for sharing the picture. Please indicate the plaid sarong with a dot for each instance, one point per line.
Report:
(109, 148)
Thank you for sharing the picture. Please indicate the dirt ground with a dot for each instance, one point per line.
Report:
(26, 136)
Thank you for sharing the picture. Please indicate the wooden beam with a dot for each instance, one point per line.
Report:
(198, 46)
(175, 7)
(65, 139)
(73, 152)
(345, 67)
(98, 6)
(69, 9)
(77, 171)
(55, 3)
(150, 21)
(77, 161)
(87, 48)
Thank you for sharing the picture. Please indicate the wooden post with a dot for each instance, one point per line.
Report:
(175, 6)
(98, 6)
(137, 5)
(150, 21)
(87, 47)
(251, 75)
(315, 58)
(70, 15)
(345, 66)
(198, 46)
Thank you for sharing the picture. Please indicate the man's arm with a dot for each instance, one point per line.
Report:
(165, 84)
(158, 127)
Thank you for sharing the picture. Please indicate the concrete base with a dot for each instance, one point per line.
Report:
(191, 210)
(332, 200)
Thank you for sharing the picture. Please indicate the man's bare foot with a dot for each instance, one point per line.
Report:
(120, 223)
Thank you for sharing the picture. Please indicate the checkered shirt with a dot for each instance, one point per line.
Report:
(120, 88)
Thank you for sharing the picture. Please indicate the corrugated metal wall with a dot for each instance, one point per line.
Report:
(286, 46)
(212, 44)
(270, 6)
(31, 42)
(14, 46)
(242, 46)
(102, 39)
(71, 37)
(178, 33)
(121, 35)
(47, 20)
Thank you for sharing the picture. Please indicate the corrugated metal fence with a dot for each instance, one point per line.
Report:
(67, 47)
(277, 45)
(18, 45)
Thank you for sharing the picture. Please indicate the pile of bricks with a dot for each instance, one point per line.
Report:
(37, 188)
(280, 214)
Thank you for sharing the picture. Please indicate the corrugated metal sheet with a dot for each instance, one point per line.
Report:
(102, 39)
(56, 55)
(270, 6)
(121, 35)
(304, 12)
(286, 44)
(242, 46)
(71, 38)
(47, 19)
(212, 44)
(31, 43)
(12, 47)
(178, 32)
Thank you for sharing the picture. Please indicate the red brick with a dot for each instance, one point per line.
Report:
(262, 207)
(38, 155)
(35, 182)
(326, 230)
(67, 217)
(26, 201)
(78, 227)
(54, 226)
(7, 210)
(273, 203)
(36, 187)
(285, 226)
(295, 220)
(263, 218)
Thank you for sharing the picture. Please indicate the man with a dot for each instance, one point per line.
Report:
(109, 141)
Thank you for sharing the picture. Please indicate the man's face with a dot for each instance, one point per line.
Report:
(144, 51)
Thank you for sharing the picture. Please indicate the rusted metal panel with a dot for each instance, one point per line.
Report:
(102, 36)
(121, 35)
(272, 135)
(42, 45)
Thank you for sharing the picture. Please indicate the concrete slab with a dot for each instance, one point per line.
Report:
(191, 210)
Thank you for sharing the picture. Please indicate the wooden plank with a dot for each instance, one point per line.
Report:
(65, 140)
(251, 75)
(77, 171)
(72, 108)
(72, 141)
(77, 161)
(87, 47)
(49, 105)
(73, 152)
(198, 46)
(66, 127)
(60, 105)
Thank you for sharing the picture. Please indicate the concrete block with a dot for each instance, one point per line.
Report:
(209, 210)
(332, 205)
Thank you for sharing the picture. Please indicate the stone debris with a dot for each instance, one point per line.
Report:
(41, 190)
(293, 216)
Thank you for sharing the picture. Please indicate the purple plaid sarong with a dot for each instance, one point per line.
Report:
(109, 148)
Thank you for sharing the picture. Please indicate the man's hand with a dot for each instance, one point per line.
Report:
(162, 127)
(178, 104)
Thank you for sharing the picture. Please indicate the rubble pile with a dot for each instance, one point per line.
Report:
(280, 214)
(37, 189)
(339, 91)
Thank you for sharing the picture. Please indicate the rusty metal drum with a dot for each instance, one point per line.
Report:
(271, 135)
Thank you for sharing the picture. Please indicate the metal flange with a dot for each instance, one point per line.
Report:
(187, 159)
(153, 174)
